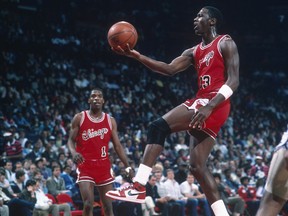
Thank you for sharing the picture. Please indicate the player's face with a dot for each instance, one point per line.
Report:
(202, 22)
(96, 99)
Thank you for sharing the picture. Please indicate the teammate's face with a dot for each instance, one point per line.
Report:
(202, 22)
(96, 99)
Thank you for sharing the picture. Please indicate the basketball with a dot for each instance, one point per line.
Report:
(122, 33)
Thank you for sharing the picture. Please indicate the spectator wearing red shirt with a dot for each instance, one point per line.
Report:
(12, 148)
(259, 168)
(248, 194)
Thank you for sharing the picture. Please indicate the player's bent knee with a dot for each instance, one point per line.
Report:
(158, 131)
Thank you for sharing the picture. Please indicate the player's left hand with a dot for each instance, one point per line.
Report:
(78, 158)
(127, 52)
(200, 116)
(130, 172)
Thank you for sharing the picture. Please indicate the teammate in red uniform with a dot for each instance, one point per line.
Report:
(88, 143)
(216, 60)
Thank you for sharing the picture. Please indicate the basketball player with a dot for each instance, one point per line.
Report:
(216, 60)
(276, 190)
(88, 143)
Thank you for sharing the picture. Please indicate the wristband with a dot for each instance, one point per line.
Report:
(128, 169)
(226, 91)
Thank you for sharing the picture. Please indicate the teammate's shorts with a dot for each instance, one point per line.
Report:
(214, 122)
(97, 171)
(277, 180)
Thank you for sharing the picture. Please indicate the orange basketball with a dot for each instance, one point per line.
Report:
(122, 33)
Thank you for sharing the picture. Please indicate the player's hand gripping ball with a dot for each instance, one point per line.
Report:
(121, 34)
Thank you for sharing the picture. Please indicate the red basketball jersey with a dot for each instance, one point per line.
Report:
(93, 136)
(210, 67)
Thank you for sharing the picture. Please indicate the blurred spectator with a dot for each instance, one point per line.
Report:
(42, 182)
(173, 193)
(172, 206)
(28, 195)
(48, 152)
(62, 159)
(26, 166)
(153, 199)
(32, 169)
(231, 183)
(236, 203)
(166, 165)
(4, 183)
(8, 170)
(55, 184)
(12, 148)
(167, 154)
(41, 165)
(260, 187)
(248, 194)
(44, 206)
(196, 199)
(22, 137)
(181, 173)
(4, 210)
(18, 185)
(27, 148)
(70, 183)
(36, 152)
(258, 169)
(73, 168)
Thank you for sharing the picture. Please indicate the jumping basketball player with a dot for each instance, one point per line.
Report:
(216, 60)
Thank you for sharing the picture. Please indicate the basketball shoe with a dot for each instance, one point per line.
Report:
(135, 192)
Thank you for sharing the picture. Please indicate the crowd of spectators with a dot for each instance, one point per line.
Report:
(54, 52)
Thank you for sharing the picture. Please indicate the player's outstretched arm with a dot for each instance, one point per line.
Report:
(177, 65)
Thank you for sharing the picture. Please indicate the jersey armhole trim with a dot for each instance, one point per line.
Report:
(82, 117)
(109, 121)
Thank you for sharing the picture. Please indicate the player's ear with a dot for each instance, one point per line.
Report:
(213, 21)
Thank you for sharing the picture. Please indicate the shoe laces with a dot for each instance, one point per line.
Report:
(126, 187)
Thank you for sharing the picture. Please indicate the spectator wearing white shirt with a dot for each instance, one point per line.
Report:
(160, 179)
(195, 198)
(172, 188)
(44, 206)
(4, 183)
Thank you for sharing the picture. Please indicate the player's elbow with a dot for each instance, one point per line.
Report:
(165, 72)
(235, 85)
(171, 73)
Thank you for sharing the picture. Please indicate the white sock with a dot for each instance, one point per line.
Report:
(143, 173)
(219, 208)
